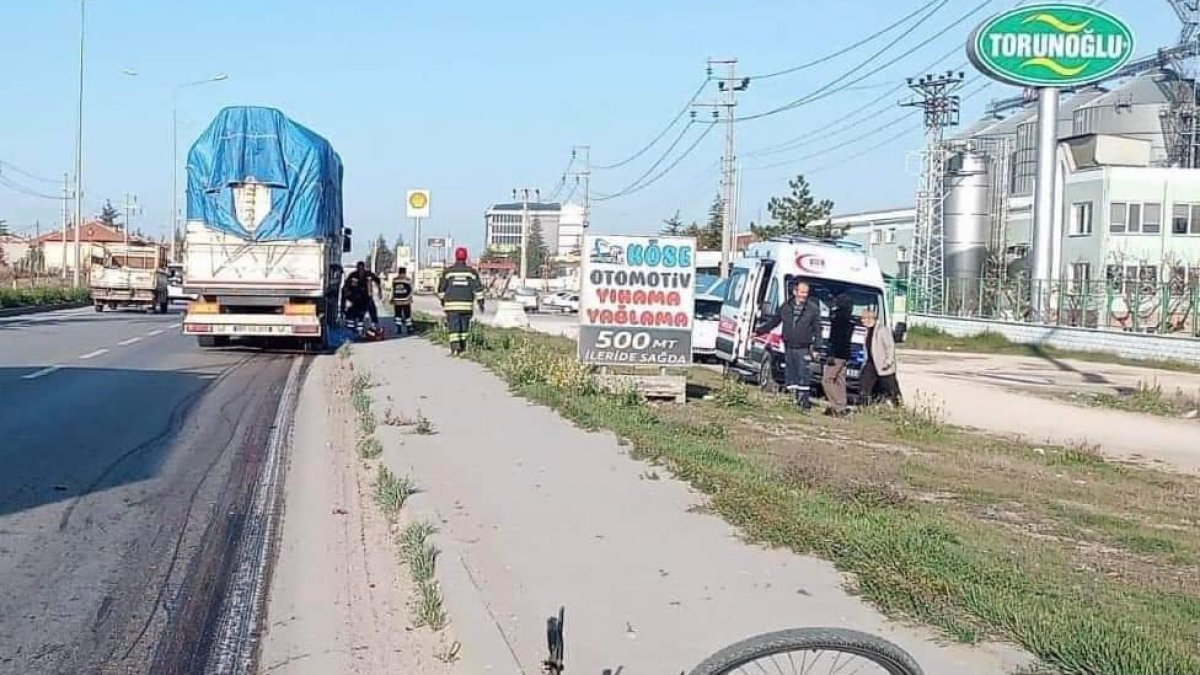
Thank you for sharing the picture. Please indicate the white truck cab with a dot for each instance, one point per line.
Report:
(762, 280)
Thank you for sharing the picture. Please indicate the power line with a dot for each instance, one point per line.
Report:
(562, 181)
(657, 163)
(18, 170)
(825, 91)
(709, 127)
(675, 120)
(846, 50)
(30, 192)
(862, 137)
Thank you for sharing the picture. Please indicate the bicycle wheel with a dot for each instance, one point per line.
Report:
(811, 651)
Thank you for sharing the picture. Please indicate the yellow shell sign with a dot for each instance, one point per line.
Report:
(418, 203)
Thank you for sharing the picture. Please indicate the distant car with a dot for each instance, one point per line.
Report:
(528, 299)
(566, 302)
(704, 328)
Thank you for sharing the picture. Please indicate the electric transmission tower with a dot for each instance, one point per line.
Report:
(937, 96)
(729, 85)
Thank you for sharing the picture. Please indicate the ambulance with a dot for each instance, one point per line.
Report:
(761, 280)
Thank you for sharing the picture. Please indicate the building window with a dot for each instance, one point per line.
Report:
(1081, 276)
(1151, 218)
(1148, 278)
(1082, 218)
(876, 236)
(1179, 218)
(1178, 279)
(891, 235)
(1127, 218)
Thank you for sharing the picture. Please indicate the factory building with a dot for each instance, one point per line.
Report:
(1128, 199)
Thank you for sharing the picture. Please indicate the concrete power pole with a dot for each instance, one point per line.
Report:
(66, 218)
(584, 174)
(524, 196)
(729, 85)
(131, 209)
(936, 96)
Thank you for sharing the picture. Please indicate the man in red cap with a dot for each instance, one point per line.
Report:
(460, 290)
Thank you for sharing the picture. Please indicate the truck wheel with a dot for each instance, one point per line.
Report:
(766, 375)
(99, 307)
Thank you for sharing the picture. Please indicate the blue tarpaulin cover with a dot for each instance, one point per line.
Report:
(301, 168)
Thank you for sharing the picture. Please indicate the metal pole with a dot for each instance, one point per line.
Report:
(66, 218)
(524, 235)
(79, 146)
(417, 247)
(587, 188)
(174, 170)
(1043, 196)
(727, 216)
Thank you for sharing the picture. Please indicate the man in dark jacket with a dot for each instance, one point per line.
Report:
(460, 290)
(800, 317)
(841, 334)
(402, 294)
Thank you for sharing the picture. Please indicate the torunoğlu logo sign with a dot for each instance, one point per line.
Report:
(1054, 45)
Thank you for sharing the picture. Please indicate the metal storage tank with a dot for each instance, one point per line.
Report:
(1025, 148)
(965, 216)
(1133, 110)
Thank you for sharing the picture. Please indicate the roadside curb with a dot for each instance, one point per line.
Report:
(40, 309)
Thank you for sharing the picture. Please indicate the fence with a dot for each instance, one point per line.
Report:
(1130, 306)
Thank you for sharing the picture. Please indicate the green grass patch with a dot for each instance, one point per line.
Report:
(936, 524)
(48, 296)
(392, 492)
(934, 339)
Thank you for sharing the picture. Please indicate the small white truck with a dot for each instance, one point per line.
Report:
(131, 276)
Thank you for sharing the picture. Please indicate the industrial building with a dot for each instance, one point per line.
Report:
(1127, 200)
(561, 224)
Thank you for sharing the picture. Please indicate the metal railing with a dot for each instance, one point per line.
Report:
(1131, 306)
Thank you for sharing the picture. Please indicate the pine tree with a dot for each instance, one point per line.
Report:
(385, 257)
(110, 216)
(798, 213)
(536, 255)
(673, 226)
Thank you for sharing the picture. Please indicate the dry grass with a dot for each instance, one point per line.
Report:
(1089, 565)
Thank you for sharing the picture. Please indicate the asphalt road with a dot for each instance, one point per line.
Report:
(127, 459)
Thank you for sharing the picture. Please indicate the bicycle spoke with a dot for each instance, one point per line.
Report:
(810, 662)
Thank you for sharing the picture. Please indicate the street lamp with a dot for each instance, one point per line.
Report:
(79, 147)
(220, 77)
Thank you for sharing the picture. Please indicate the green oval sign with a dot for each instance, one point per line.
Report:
(1051, 46)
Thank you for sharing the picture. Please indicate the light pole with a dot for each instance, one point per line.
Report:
(79, 147)
(220, 77)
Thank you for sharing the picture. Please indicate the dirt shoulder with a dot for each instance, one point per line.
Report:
(339, 599)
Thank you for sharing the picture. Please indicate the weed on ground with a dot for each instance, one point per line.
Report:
(1089, 565)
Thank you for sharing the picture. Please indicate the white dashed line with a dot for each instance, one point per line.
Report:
(177, 325)
(126, 343)
(92, 355)
(40, 373)
(154, 332)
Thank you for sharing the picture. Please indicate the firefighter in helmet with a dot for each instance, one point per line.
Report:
(460, 291)
(402, 297)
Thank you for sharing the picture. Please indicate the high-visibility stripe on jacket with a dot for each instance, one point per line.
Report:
(402, 291)
(460, 288)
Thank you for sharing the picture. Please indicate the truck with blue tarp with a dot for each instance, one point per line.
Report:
(264, 237)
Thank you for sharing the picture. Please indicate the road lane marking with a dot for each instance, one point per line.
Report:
(177, 325)
(130, 341)
(44, 371)
(154, 332)
(92, 355)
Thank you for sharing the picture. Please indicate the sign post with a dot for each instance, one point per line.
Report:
(1049, 47)
(637, 309)
(417, 206)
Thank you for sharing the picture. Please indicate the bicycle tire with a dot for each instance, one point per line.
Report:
(875, 649)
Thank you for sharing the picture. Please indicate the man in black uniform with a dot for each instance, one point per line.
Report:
(800, 317)
(402, 292)
(460, 290)
(841, 336)
(357, 292)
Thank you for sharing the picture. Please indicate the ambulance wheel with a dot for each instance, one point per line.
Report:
(766, 375)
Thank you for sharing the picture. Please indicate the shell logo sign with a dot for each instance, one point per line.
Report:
(1051, 45)
(418, 203)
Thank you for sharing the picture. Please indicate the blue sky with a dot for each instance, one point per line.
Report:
(469, 98)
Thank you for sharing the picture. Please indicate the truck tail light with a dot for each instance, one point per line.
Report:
(197, 328)
(306, 309)
(306, 330)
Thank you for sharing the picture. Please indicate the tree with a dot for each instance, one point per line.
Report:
(673, 226)
(535, 250)
(385, 257)
(798, 213)
(708, 238)
(110, 216)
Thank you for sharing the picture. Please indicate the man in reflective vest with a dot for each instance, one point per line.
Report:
(460, 290)
(402, 292)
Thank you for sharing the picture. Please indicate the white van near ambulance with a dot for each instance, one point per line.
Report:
(761, 280)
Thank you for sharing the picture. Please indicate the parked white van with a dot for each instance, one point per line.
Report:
(762, 279)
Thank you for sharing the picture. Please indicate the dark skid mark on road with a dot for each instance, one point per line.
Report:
(189, 640)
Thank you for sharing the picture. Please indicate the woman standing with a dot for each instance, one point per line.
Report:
(878, 379)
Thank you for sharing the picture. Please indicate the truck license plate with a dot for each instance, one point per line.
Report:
(255, 329)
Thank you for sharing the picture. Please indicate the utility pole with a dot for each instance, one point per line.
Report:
(584, 154)
(729, 85)
(66, 218)
(131, 209)
(524, 196)
(937, 96)
(79, 146)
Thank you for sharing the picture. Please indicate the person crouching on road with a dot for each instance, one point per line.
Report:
(460, 290)
(841, 333)
(878, 380)
(402, 296)
(357, 293)
(800, 317)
